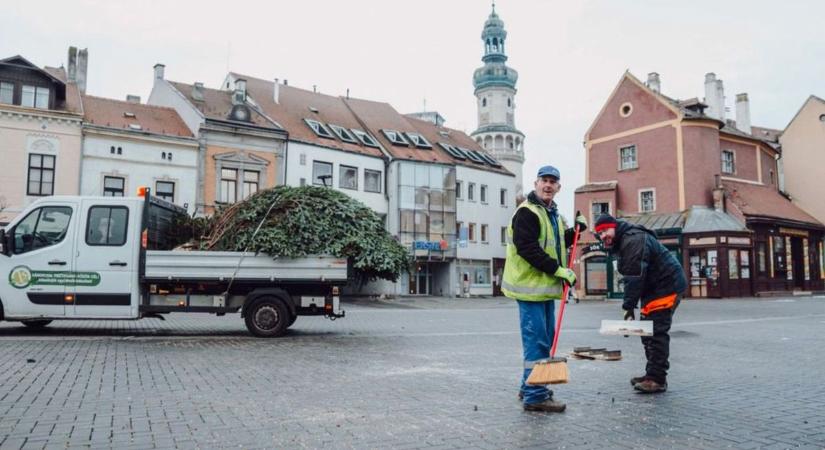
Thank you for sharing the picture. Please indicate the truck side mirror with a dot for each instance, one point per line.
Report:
(4, 247)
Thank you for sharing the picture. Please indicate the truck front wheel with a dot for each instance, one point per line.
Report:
(36, 323)
(267, 317)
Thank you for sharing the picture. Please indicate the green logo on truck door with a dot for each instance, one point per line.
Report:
(22, 277)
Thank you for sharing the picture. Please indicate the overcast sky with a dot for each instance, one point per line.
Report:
(569, 54)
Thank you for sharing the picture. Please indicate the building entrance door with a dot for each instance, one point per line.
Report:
(421, 282)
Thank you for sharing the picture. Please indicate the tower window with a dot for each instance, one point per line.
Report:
(509, 102)
(484, 101)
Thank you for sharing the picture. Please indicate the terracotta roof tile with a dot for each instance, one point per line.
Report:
(294, 105)
(217, 104)
(764, 201)
(119, 114)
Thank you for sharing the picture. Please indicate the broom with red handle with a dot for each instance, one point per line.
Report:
(554, 370)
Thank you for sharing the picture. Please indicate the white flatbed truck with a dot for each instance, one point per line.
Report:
(72, 257)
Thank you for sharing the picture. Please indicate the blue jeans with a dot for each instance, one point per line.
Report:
(537, 328)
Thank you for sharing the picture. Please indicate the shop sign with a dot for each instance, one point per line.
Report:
(431, 245)
(792, 232)
(702, 241)
(739, 240)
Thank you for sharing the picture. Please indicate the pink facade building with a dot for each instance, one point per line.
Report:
(707, 185)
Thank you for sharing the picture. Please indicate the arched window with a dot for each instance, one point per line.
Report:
(509, 102)
(484, 101)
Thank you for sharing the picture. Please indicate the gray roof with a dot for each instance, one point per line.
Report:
(659, 222)
(702, 219)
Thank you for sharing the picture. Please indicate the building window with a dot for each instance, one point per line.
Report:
(348, 177)
(165, 190)
(107, 226)
(302, 182)
(321, 173)
(229, 183)
(484, 101)
(728, 162)
(484, 233)
(772, 179)
(35, 97)
(733, 264)
(595, 275)
(483, 193)
(503, 235)
(365, 138)
(114, 186)
(418, 140)
(597, 208)
(302, 159)
(41, 174)
(6, 93)
(627, 158)
(372, 180)
(251, 181)
(647, 200)
(319, 128)
(626, 109)
(458, 186)
(761, 258)
(471, 232)
(395, 137)
(503, 197)
(471, 192)
(343, 134)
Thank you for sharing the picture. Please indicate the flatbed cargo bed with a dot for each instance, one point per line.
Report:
(221, 266)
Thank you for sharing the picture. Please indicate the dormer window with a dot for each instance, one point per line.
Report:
(35, 97)
(395, 137)
(319, 129)
(343, 134)
(135, 126)
(418, 140)
(365, 138)
(130, 115)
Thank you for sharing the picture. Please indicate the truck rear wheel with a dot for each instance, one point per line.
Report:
(36, 323)
(267, 317)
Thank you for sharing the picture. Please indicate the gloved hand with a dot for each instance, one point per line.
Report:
(629, 314)
(567, 275)
(581, 222)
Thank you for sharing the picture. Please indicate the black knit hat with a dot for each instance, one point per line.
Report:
(603, 222)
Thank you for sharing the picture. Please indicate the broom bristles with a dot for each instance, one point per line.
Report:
(551, 372)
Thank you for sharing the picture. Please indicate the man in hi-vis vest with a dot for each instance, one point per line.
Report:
(536, 268)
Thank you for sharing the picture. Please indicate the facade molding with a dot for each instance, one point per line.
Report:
(632, 131)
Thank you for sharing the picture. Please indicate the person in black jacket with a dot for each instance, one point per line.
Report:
(652, 277)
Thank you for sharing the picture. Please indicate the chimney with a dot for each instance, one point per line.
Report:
(133, 98)
(82, 63)
(159, 71)
(715, 102)
(197, 91)
(72, 65)
(276, 92)
(743, 113)
(240, 92)
(718, 194)
(653, 82)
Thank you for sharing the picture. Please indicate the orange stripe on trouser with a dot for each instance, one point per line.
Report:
(660, 303)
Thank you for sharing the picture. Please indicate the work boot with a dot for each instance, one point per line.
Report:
(635, 380)
(520, 395)
(648, 386)
(548, 405)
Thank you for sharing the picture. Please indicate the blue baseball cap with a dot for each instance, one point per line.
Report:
(549, 171)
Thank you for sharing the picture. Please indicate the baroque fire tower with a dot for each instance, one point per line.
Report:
(495, 91)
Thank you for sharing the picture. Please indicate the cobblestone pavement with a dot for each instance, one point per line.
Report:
(408, 374)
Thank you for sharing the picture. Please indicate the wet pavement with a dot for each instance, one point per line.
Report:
(424, 373)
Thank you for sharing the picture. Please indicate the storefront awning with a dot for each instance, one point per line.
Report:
(662, 224)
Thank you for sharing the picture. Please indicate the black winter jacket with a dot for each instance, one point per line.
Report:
(650, 271)
(526, 237)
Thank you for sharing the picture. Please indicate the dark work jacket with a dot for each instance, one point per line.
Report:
(526, 236)
(650, 271)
